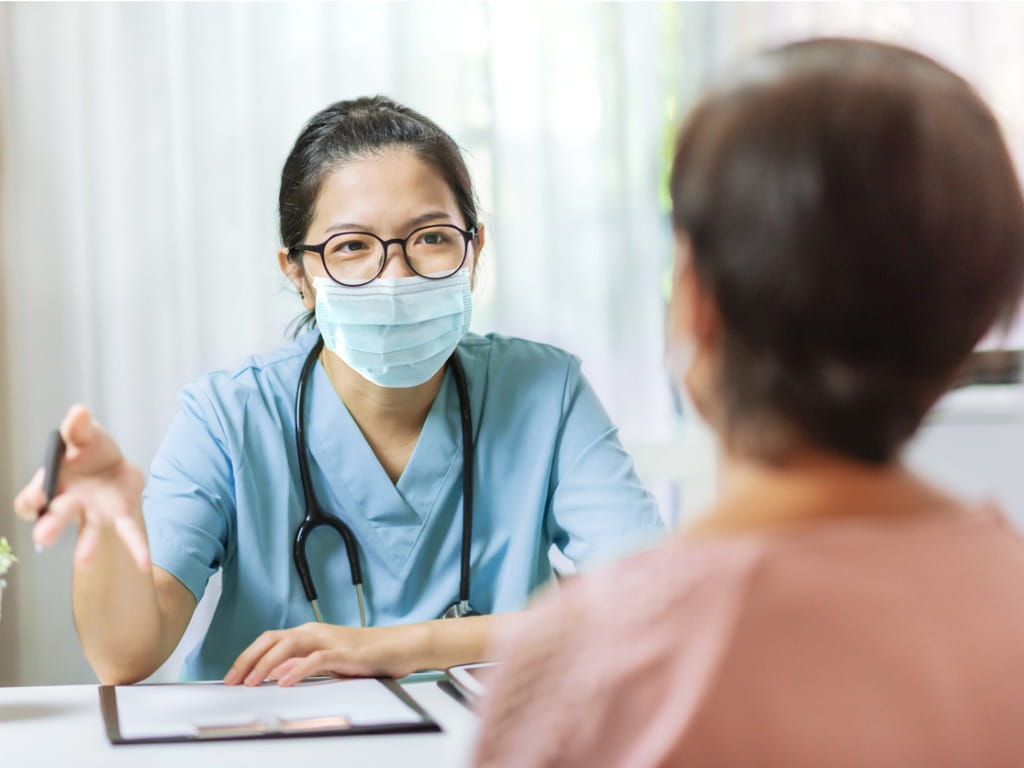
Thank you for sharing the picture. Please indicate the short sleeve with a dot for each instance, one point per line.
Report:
(598, 508)
(189, 499)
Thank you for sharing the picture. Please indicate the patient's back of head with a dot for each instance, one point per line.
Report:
(850, 225)
(854, 212)
(854, 215)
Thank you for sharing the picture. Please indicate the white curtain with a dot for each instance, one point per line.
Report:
(140, 152)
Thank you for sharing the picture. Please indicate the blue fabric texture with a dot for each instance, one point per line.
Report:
(224, 493)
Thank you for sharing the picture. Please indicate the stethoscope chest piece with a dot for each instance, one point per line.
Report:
(459, 610)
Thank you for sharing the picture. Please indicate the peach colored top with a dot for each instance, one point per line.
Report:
(853, 642)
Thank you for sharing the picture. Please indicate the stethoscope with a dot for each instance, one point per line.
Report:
(315, 516)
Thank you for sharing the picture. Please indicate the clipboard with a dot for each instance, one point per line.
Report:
(161, 713)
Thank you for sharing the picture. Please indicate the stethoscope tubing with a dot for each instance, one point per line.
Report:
(315, 516)
(467, 476)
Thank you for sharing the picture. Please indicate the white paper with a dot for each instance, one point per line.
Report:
(148, 711)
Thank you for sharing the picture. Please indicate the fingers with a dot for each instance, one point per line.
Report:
(289, 645)
(88, 542)
(264, 659)
(317, 663)
(128, 531)
(68, 508)
(282, 669)
(338, 662)
(98, 488)
(135, 541)
(63, 510)
(247, 659)
(349, 652)
(89, 450)
(31, 498)
(77, 429)
(291, 655)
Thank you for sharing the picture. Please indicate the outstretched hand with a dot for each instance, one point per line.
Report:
(97, 488)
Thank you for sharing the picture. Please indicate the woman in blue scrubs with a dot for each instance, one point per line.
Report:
(380, 238)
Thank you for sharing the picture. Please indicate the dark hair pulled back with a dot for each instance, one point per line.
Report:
(360, 127)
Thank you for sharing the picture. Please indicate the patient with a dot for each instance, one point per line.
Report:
(848, 225)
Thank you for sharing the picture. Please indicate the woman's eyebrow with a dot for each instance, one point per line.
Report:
(410, 224)
(424, 218)
(348, 226)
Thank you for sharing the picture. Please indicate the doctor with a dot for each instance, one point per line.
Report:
(383, 470)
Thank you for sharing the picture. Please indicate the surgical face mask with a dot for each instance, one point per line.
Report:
(395, 332)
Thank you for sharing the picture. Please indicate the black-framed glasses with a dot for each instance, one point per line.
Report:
(357, 258)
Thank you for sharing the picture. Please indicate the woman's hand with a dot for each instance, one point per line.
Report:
(289, 655)
(98, 488)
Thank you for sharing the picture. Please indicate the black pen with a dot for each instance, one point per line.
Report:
(51, 468)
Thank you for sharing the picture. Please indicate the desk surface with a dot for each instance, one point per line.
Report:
(62, 725)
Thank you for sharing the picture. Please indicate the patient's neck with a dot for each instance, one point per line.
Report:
(813, 485)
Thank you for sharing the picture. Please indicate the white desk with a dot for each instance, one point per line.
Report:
(61, 725)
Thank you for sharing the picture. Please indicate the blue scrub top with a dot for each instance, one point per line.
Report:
(224, 492)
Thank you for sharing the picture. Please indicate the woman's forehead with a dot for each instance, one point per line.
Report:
(384, 189)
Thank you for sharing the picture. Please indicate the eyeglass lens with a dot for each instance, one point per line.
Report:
(356, 257)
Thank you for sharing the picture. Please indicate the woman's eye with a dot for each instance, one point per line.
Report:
(432, 238)
(348, 246)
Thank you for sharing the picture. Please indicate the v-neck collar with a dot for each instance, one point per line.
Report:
(356, 482)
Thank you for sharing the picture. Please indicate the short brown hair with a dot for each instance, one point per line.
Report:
(855, 216)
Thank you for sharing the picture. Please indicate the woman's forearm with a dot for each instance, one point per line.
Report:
(289, 655)
(121, 623)
(448, 642)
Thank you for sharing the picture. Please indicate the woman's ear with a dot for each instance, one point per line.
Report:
(296, 275)
(478, 241)
(478, 245)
